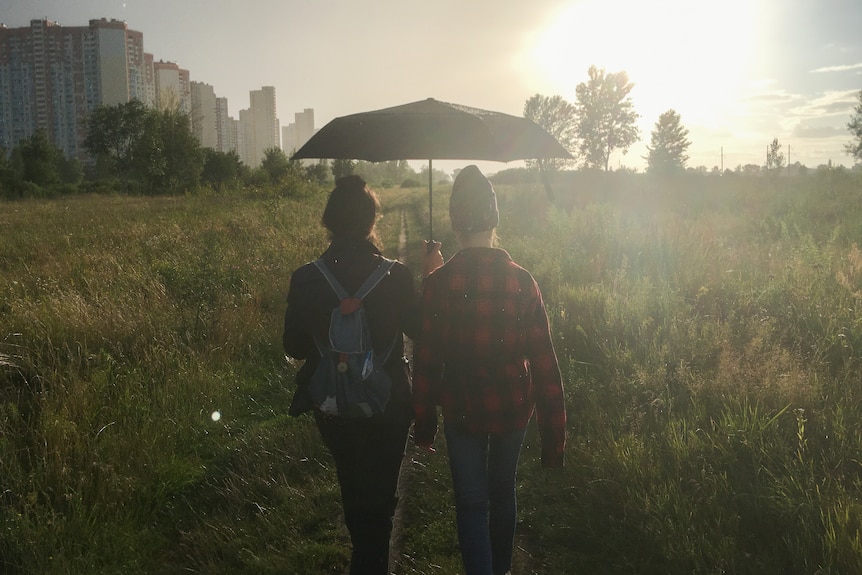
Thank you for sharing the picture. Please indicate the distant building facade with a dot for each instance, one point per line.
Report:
(204, 116)
(299, 132)
(52, 77)
(150, 84)
(225, 127)
(173, 87)
(259, 126)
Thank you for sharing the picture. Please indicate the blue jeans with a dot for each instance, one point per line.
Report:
(483, 469)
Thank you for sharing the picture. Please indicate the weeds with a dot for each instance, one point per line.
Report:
(708, 331)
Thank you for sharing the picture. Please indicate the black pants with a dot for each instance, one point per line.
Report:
(368, 455)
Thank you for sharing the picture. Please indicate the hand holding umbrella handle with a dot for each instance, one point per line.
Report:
(431, 258)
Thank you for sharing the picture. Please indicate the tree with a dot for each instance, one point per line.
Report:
(317, 173)
(275, 163)
(341, 168)
(606, 116)
(557, 117)
(668, 145)
(749, 169)
(154, 147)
(6, 176)
(774, 156)
(220, 168)
(114, 134)
(70, 170)
(854, 147)
(437, 175)
(171, 159)
(40, 159)
(384, 174)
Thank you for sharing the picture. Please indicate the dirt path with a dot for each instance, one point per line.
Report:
(396, 545)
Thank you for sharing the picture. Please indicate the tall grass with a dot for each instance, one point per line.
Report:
(710, 343)
(127, 324)
(709, 331)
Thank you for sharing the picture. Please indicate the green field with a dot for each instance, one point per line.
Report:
(709, 330)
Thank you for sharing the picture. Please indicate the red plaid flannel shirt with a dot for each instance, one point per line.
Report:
(484, 352)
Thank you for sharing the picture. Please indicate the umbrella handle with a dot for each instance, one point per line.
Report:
(433, 259)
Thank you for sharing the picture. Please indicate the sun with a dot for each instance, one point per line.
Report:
(691, 56)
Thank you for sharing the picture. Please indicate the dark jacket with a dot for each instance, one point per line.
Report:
(391, 307)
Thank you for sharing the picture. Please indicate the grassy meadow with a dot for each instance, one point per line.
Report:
(709, 330)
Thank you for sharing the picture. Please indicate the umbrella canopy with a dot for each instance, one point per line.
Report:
(431, 130)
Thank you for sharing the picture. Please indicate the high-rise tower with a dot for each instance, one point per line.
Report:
(52, 76)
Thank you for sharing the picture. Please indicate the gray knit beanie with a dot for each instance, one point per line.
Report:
(473, 204)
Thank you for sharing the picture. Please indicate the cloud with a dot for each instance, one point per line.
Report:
(839, 68)
(771, 97)
(807, 131)
(832, 103)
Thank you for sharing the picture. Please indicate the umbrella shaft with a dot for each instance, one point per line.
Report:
(430, 202)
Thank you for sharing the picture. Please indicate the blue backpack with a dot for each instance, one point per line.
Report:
(350, 380)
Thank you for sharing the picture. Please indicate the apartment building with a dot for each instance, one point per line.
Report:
(172, 86)
(259, 126)
(294, 135)
(225, 127)
(150, 84)
(52, 76)
(204, 115)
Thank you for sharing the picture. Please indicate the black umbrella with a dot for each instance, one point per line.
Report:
(431, 130)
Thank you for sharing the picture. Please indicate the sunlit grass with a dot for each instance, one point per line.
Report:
(709, 332)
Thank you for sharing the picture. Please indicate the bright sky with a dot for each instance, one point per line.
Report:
(739, 72)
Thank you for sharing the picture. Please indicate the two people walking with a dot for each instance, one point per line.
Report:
(482, 353)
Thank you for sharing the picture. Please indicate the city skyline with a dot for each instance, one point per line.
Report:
(739, 73)
(52, 77)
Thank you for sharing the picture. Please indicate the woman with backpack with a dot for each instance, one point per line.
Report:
(484, 353)
(367, 450)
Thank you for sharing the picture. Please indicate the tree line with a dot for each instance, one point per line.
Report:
(136, 149)
(139, 150)
(603, 120)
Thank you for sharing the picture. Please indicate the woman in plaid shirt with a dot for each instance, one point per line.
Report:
(484, 353)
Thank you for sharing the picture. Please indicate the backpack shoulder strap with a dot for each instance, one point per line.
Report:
(375, 278)
(336, 287)
(369, 285)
